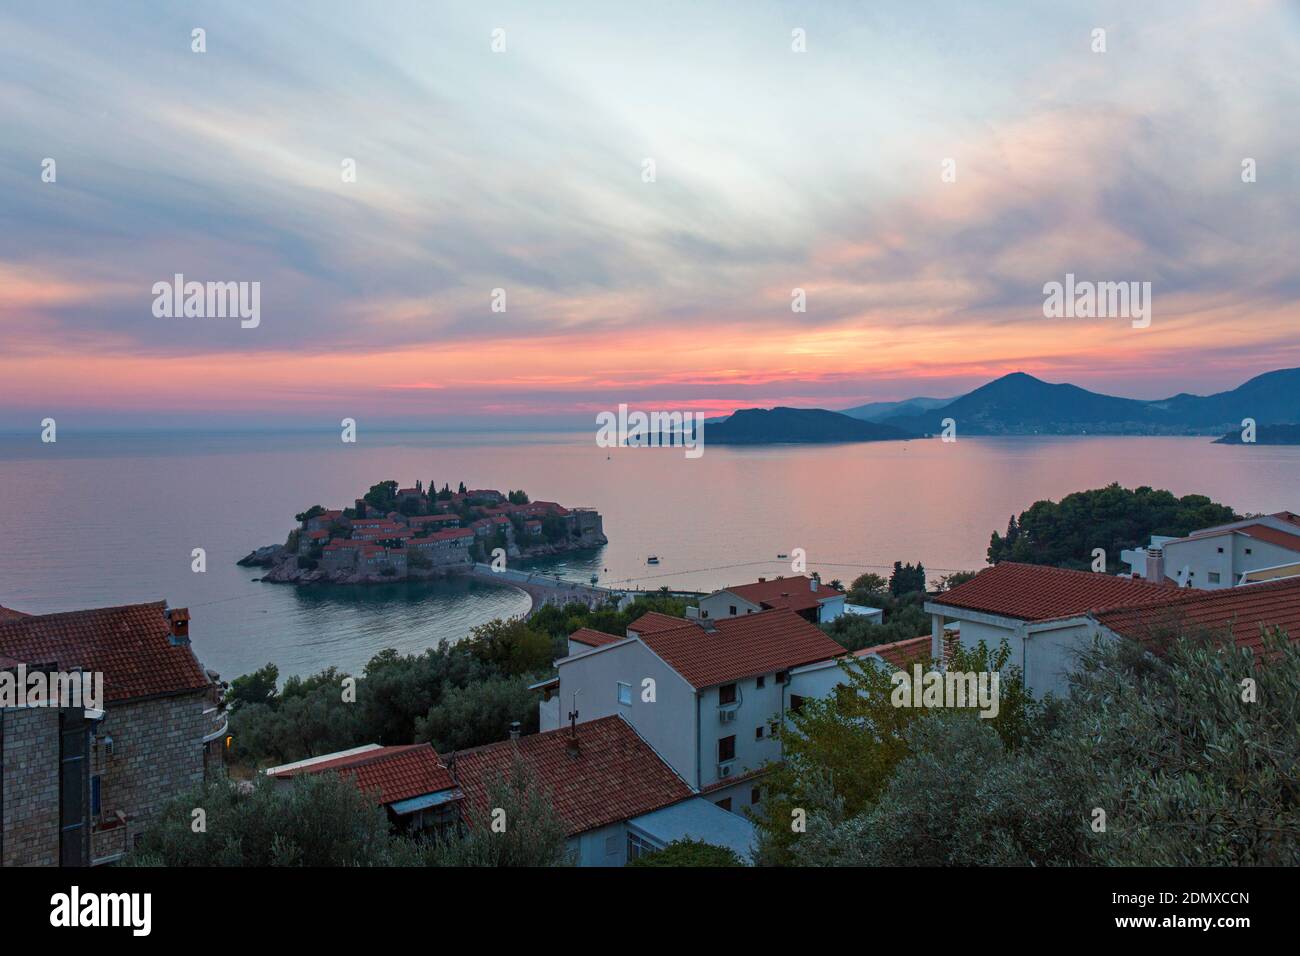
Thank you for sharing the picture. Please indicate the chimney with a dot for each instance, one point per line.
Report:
(762, 580)
(1155, 569)
(813, 582)
(571, 744)
(178, 626)
(514, 730)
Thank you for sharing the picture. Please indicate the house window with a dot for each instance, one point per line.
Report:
(758, 733)
(1249, 551)
(727, 694)
(725, 803)
(1220, 551)
(611, 845)
(638, 847)
(796, 703)
(782, 677)
(733, 610)
(761, 682)
(1214, 577)
(726, 748)
(625, 694)
(755, 795)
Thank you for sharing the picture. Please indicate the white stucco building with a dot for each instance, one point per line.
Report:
(1222, 556)
(806, 596)
(709, 695)
(1042, 612)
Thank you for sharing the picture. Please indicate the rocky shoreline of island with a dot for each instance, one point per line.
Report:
(411, 534)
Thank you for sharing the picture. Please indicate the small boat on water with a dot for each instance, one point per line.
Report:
(653, 559)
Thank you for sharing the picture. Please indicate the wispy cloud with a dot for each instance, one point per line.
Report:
(523, 171)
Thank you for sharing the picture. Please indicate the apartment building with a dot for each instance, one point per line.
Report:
(709, 695)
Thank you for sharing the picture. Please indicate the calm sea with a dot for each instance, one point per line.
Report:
(100, 519)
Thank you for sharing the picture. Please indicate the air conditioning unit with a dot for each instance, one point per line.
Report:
(726, 716)
(724, 771)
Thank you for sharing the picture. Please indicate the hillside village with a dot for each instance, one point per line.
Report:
(394, 533)
(625, 772)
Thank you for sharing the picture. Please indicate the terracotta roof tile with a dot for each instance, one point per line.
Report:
(1034, 592)
(1240, 610)
(130, 645)
(795, 592)
(593, 638)
(1282, 539)
(398, 773)
(654, 621)
(738, 647)
(615, 776)
(1288, 516)
(900, 653)
(9, 614)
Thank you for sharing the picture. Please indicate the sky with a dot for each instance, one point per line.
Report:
(523, 169)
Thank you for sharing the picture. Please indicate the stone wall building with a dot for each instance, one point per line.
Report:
(78, 784)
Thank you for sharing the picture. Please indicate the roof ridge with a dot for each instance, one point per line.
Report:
(28, 618)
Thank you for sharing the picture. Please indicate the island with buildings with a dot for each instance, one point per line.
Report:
(393, 533)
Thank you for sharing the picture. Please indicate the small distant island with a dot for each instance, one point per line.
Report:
(393, 533)
(1265, 435)
(770, 426)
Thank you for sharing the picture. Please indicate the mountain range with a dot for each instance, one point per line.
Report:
(1019, 404)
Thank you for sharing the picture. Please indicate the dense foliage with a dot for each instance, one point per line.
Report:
(453, 696)
(689, 852)
(1112, 518)
(1170, 760)
(324, 820)
(841, 751)
(904, 617)
(317, 820)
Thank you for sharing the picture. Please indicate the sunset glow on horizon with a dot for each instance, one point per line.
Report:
(522, 170)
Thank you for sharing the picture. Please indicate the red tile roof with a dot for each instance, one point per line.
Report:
(397, 773)
(615, 776)
(1034, 592)
(9, 614)
(900, 653)
(593, 638)
(793, 592)
(738, 647)
(1282, 539)
(654, 621)
(130, 645)
(1240, 610)
(1289, 516)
